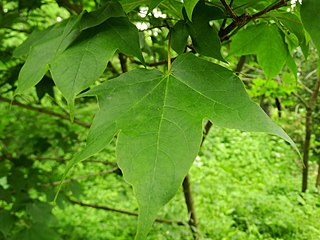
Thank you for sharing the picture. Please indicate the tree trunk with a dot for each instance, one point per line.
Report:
(190, 205)
(306, 148)
(318, 177)
(310, 108)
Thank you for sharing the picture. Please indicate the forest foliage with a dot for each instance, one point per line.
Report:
(163, 73)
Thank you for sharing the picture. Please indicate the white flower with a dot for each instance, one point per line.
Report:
(294, 3)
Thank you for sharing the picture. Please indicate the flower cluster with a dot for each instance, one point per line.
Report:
(294, 3)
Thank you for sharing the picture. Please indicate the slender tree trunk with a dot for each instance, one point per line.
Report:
(318, 177)
(190, 205)
(308, 124)
(306, 148)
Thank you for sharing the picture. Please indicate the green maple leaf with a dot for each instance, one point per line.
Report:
(158, 119)
(266, 42)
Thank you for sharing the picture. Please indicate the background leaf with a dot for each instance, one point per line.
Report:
(179, 36)
(43, 51)
(265, 41)
(82, 64)
(95, 18)
(205, 38)
(310, 18)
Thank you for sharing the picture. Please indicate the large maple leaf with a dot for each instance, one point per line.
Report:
(159, 119)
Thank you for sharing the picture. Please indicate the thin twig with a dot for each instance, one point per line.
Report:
(301, 99)
(123, 62)
(168, 221)
(153, 64)
(229, 10)
(44, 111)
(246, 18)
(113, 69)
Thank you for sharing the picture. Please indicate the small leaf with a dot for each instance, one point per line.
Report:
(129, 5)
(179, 36)
(266, 42)
(6, 222)
(95, 18)
(204, 12)
(40, 212)
(81, 65)
(205, 38)
(189, 6)
(310, 18)
(292, 23)
(32, 40)
(291, 64)
(153, 4)
(42, 52)
(158, 119)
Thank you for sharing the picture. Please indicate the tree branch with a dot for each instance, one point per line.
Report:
(124, 212)
(193, 223)
(246, 18)
(44, 111)
(123, 62)
(64, 160)
(305, 104)
(229, 10)
(153, 64)
(113, 69)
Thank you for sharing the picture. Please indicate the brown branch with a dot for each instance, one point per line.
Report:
(113, 69)
(124, 212)
(318, 177)
(123, 62)
(193, 223)
(229, 10)
(269, 8)
(153, 64)
(44, 111)
(240, 64)
(246, 18)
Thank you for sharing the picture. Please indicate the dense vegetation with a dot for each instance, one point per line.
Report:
(162, 71)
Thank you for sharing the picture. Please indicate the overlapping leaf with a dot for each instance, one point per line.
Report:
(189, 6)
(77, 50)
(158, 119)
(266, 42)
(41, 48)
(82, 64)
(205, 38)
